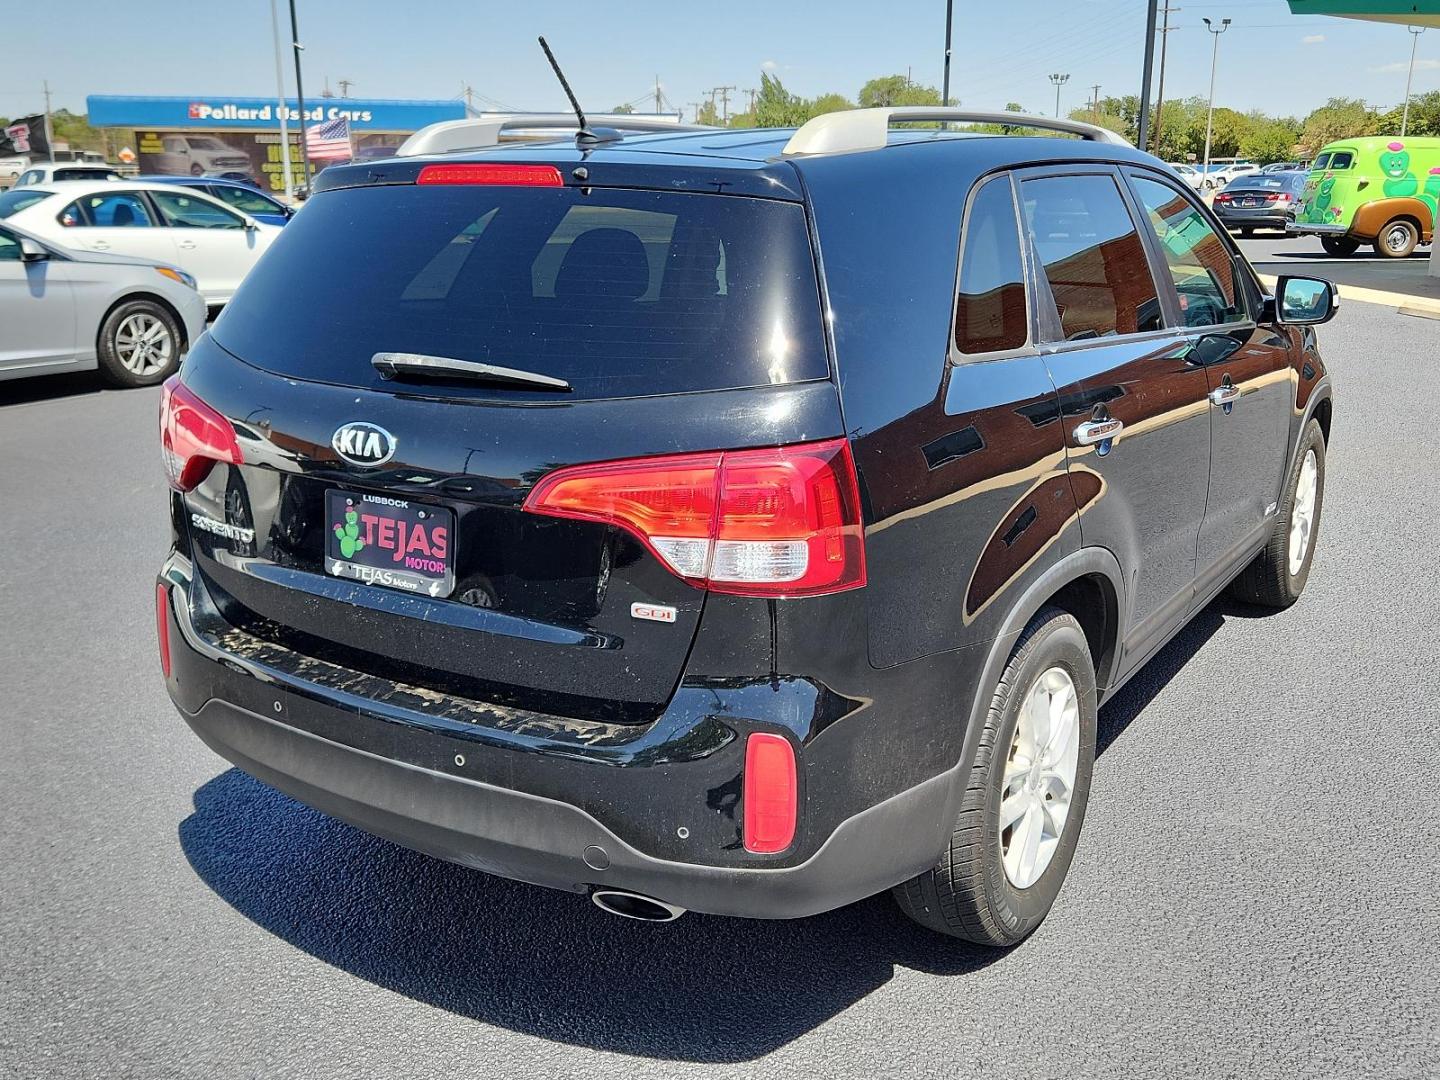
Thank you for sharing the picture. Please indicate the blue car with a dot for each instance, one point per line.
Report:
(242, 196)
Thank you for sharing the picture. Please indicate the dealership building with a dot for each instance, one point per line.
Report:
(239, 137)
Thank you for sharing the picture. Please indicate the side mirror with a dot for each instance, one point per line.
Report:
(30, 251)
(1302, 301)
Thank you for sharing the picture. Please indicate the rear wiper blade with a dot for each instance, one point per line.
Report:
(393, 365)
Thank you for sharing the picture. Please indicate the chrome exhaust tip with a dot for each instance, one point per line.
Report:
(630, 905)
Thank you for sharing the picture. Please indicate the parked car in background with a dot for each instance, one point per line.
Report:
(49, 172)
(1216, 179)
(195, 231)
(1378, 190)
(67, 310)
(1285, 166)
(1191, 175)
(584, 543)
(240, 195)
(10, 170)
(201, 155)
(1260, 200)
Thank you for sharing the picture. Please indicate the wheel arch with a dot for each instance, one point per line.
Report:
(1089, 584)
(154, 298)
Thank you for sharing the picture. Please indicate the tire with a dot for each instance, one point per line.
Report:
(1275, 579)
(1397, 239)
(1340, 246)
(140, 344)
(1246, 232)
(971, 893)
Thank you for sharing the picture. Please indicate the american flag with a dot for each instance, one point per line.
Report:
(329, 140)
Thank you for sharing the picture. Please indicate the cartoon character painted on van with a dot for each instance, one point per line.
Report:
(1379, 190)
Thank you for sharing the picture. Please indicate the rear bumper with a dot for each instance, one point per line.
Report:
(1275, 218)
(1301, 229)
(547, 842)
(573, 815)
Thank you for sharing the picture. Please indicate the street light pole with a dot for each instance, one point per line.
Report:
(1144, 132)
(1059, 81)
(1415, 32)
(1210, 110)
(300, 95)
(949, 20)
(280, 92)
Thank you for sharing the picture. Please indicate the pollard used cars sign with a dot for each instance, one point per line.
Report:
(217, 113)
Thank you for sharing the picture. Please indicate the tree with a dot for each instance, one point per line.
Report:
(1268, 139)
(891, 90)
(623, 110)
(708, 114)
(1338, 118)
(1424, 117)
(827, 103)
(777, 107)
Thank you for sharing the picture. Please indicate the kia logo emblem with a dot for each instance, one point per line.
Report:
(363, 444)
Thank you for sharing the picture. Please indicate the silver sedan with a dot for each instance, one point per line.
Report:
(65, 310)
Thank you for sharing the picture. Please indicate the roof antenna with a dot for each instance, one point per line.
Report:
(586, 136)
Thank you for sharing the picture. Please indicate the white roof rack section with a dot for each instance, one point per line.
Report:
(477, 132)
(869, 129)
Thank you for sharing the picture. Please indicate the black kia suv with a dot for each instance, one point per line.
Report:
(739, 521)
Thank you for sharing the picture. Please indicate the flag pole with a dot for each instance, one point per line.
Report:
(280, 90)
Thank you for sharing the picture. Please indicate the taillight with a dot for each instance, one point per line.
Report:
(770, 795)
(193, 436)
(772, 522)
(492, 173)
(1222, 197)
(162, 626)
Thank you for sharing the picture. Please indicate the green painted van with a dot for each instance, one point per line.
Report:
(1378, 190)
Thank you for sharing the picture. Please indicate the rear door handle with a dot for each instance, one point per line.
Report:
(1097, 431)
(1224, 395)
(188, 245)
(100, 245)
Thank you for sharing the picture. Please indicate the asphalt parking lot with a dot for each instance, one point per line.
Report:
(1254, 895)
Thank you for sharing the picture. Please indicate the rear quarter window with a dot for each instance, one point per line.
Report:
(618, 292)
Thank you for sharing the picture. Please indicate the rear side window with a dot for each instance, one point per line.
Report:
(991, 314)
(9, 247)
(1341, 159)
(187, 212)
(121, 210)
(1092, 257)
(250, 202)
(1205, 275)
(618, 292)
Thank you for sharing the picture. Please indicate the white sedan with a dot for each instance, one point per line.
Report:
(67, 310)
(209, 240)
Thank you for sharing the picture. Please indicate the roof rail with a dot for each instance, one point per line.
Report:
(473, 133)
(868, 129)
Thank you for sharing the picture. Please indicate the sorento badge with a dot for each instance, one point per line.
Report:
(360, 443)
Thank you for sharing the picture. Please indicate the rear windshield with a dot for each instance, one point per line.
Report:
(619, 293)
(1271, 182)
(17, 199)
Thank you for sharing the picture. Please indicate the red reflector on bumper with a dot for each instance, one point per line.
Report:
(771, 796)
(162, 626)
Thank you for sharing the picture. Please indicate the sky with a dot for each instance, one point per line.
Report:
(613, 52)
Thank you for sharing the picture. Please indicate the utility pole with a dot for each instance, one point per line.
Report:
(49, 128)
(1143, 135)
(1059, 81)
(300, 93)
(468, 93)
(752, 94)
(724, 92)
(657, 93)
(696, 106)
(1095, 103)
(285, 172)
(949, 21)
(1160, 93)
(1210, 111)
(345, 85)
(1415, 32)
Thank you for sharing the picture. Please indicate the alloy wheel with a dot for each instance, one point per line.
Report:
(144, 344)
(1039, 781)
(1302, 511)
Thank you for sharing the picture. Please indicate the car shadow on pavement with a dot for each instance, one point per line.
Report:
(48, 387)
(550, 964)
(538, 961)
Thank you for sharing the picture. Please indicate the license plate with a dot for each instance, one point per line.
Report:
(392, 542)
(1249, 202)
